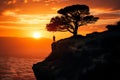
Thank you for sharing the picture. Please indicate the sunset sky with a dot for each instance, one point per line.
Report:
(22, 18)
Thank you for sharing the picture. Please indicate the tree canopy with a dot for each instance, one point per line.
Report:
(70, 18)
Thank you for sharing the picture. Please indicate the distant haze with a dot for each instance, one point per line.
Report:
(25, 47)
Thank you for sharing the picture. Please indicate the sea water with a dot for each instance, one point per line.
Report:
(14, 68)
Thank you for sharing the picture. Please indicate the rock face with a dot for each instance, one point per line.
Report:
(93, 57)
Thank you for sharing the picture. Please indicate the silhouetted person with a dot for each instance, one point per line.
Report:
(53, 38)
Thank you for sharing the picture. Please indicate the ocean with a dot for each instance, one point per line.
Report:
(14, 68)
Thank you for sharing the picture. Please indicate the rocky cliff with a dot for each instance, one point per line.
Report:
(92, 57)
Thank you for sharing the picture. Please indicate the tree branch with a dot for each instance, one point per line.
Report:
(69, 30)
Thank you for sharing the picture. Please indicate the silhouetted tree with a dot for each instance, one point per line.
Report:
(70, 18)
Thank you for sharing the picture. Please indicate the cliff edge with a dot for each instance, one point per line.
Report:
(92, 57)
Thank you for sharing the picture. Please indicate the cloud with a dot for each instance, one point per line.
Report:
(36, 6)
(109, 16)
(33, 19)
(35, 14)
(106, 13)
(5, 4)
(114, 5)
(26, 21)
(9, 13)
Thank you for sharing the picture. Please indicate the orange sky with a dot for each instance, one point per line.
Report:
(21, 18)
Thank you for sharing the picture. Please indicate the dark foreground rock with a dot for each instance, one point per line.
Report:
(94, 57)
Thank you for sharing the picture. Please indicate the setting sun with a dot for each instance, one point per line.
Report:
(36, 35)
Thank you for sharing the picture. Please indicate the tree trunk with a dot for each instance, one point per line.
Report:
(75, 30)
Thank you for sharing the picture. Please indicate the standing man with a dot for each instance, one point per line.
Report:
(53, 38)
